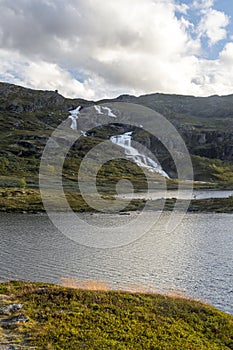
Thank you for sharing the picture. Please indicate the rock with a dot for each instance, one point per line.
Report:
(8, 347)
(10, 308)
(13, 321)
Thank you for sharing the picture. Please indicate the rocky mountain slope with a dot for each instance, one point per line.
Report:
(27, 118)
(206, 123)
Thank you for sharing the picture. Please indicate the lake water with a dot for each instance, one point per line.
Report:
(195, 259)
(196, 194)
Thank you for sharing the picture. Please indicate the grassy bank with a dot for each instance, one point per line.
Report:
(65, 318)
(29, 200)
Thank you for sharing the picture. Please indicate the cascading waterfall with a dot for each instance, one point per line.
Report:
(132, 153)
(100, 109)
(123, 140)
(74, 116)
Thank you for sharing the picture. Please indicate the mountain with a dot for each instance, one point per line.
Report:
(206, 123)
(27, 118)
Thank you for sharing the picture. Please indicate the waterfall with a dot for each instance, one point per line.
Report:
(99, 110)
(74, 116)
(123, 140)
(140, 159)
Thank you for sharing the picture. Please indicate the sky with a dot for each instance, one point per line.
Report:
(97, 49)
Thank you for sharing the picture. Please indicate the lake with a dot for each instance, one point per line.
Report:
(195, 260)
(183, 194)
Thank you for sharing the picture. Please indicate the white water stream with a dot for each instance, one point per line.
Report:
(132, 153)
(123, 140)
(74, 117)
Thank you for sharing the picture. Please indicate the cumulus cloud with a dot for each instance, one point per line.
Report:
(212, 25)
(41, 75)
(226, 56)
(94, 50)
(214, 76)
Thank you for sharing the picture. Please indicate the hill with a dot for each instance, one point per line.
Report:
(28, 117)
(45, 316)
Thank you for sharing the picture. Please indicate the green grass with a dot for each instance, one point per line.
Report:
(29, 200)
(65, 318)
(215, 205)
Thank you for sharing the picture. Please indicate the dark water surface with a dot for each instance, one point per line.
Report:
(196, 258)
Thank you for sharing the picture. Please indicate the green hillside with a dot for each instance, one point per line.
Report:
(28, 117)
(54, 317)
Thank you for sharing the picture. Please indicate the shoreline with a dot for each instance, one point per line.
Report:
(28, 200)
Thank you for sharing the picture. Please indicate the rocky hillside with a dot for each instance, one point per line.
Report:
(27, 118)
(206, 123)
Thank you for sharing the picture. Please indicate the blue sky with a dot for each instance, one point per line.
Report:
(227, 7)
(195, 16)
(95, 49)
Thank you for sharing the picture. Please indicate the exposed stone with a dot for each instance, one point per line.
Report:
(13, 321)
(11, 308)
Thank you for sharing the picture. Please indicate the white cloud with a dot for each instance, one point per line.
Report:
(215, 76)
(182, 8)
(124, 46)
(50, 76)
(41, 75)
(186, 23)
(203, 4)
(226, 56)
(212, 25)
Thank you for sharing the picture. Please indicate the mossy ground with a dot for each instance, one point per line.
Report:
(29, 200)
(65, 318)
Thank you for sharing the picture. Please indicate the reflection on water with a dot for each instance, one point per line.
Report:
(195, 259)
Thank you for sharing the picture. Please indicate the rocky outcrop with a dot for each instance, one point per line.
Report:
(210, 144)
(11, 308)
(17, 99)
(10, 318)
(13, 321)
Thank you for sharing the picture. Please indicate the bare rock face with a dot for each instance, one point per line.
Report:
(210, 144)
(19, 99)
